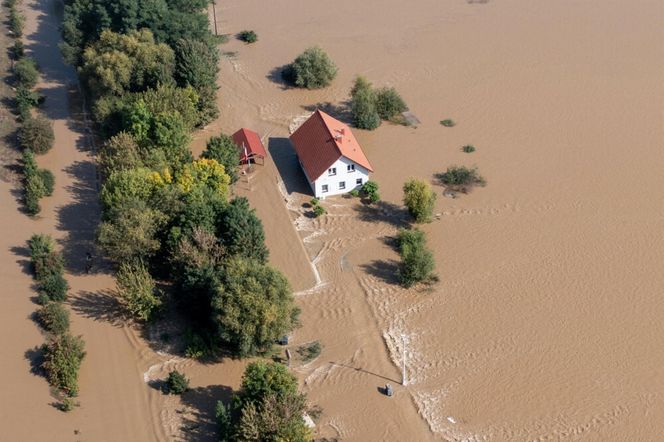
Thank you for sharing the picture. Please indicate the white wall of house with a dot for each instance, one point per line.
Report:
(348, 176)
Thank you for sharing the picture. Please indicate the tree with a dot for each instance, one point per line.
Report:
(204, 173)
(262, 379)
(419, 198)
(119, 63)
(119, 153)
(63, 355)
(26, 72)
(225, 151)
(137, 290)
(461, 178)
(253, 306)
(131, 232)
(129, 185)
(313, 69)
(241, 231)
(197, 65)
(177, 383)
(36, 135)
(370, 190)
(389, 103)
(363, 105)
(417, 263)
(54, 318)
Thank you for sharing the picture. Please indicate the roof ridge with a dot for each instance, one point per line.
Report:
(336, 144)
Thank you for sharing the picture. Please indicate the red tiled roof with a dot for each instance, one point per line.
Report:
(245, 138)
(322, 140)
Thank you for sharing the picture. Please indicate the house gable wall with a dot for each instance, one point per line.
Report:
(350, 178)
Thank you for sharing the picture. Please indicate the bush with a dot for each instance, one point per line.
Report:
(310, 351)
(38, 183)
(319, 211)
(26, 99)
(417, 263)
(419, 198)
(248, 36)
(177, 383)
(389, 103)
(137, 290)
(16, 22)
(222, 414)
(18, 50)
(363, 105)
(314, 202)
(54, 318)
(26, 72)
(36, 135)
(48, 181)
(468, 148)
(55, 286)
(195, 346)
(354, 193)
(448, 123)
(313, 69)
(370, 191)
(63, 355)
(40, 245)
(461, 178)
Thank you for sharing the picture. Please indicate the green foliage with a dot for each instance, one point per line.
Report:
(131, 232)
(389, 103)
(16, 22)
(253, 306)
(137, 290)
(313, 69)
(54, 317)
(448, 123)
(262, 379)
(314, 202)
(241, 231)
(36, 134)
(18, 49)
(417, 263)
(48, 181)
(128, 185)
(419, 198)
(67, 404)
(224, 150)
(370, 191)
(195, 346)
(132, 62)
(197, 65)
(26, 73)
(201, 174)
(38, 183)
(54, 286)
(48, 266)
(40, 245)
(310, 351)
(461, 177)
(222, 416)
(248, 36)
(63, 355)
(177, 383)
(119, 153)
(26, 99)
(319, 210)
(468, 148)
(355, 193)
(363, 105)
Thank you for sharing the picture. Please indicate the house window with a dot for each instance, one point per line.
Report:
(342, 185)
(332, 171)
(358, 181)
(350, 168)
(324, 188)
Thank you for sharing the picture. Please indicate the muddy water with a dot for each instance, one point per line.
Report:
(545, 325)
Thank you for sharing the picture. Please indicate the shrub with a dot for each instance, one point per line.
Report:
(222, 414)
(195, 346)
(417, 263)
(26, 99)
(461, 178)
(48, 181)
(40, 245)
(16, 22)
(177, 383)
(354, 193)
(18, 49)
(248, 36)
(313, 69)
(55, 286)
(26, 72)
(319, 211)
(370, 191)
(314, 202)
(419, 199)
(309, 351)
(363, 105)
(389, 103)
(137, 290)
(54, 317)
(63, 355)
(468, 148)
(38, 183)
(448, 123)
(36, 135)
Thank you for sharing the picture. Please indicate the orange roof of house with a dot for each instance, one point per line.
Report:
(322, 140)
(245, 138)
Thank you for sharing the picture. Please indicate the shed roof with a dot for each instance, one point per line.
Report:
(322, 140)
(245, 138)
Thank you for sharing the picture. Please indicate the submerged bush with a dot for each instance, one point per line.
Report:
(363, 105)
(54, 317)
(389, 103)
(461, 178)
(417, 263)
(36, 135)
(248, 36)
(177, 383)
(63, 355)
(313, 69)
(468, 148)
(370, 191)
(26, 72)
(419, 199)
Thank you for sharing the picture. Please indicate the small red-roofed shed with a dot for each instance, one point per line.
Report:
(250, 146)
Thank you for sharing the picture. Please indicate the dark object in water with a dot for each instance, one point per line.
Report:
(388, 390)
(283, 340)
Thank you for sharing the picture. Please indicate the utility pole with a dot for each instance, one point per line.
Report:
(404, 340)
(214, 16)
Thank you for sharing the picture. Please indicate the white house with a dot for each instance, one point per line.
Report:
(330, 156)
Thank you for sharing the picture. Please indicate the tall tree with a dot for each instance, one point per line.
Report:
(242, 231)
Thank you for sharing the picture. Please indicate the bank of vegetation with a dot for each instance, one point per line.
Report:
(370, 106)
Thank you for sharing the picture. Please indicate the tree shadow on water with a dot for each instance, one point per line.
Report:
(384, 212)
(385, 270)
(100, 306)
(199, 423)
(341, 111)
(24, 258)
(35, 356)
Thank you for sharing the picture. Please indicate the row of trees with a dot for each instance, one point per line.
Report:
(369, 106)
(63, 352)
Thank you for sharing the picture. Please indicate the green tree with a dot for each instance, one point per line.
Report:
(26, 72)
(253, 306)
(177, 383)
(363, 105)
(241, 231)
(137, 290)
(197, 65)
(370, 190)
(419, 198)
(129, 185)
(119, 153)
(417, 263)
(54, 317)
(225, 151)
(389, 103)
(204, 173)
(36, 134)
(262, 379)
(63, 355)
(313, 69)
